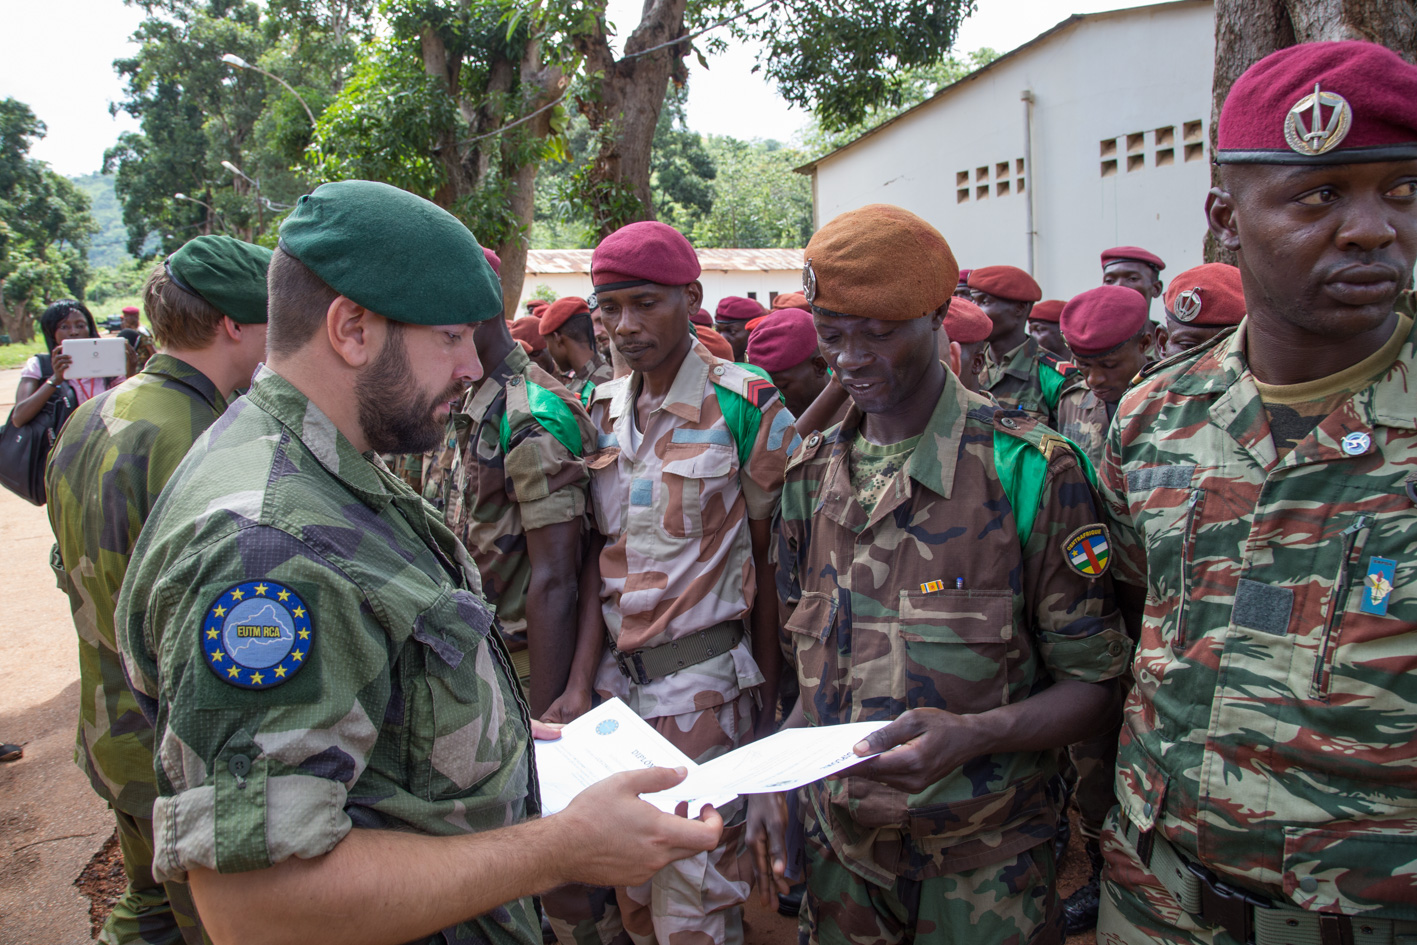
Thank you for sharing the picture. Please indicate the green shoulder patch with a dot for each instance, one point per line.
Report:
(529, 402)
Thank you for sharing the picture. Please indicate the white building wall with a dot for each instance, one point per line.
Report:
(1126, 78)
(717, 284)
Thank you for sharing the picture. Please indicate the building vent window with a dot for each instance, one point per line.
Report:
(1165, 157)
(1001, 170)
(1136, 142)
(962, 195)
(981, 192)
(1018, 185)
(1109, 168)
(1166, 137)
(961, 178)
(1194, 135)
(1018, 167)
(1001, 189)
(1135, 162)
(1109, 148)
(981, 173)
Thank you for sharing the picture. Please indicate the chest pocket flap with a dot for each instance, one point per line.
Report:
(702, 485)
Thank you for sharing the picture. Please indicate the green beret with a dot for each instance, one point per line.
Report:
(393, 253)
(229, 274)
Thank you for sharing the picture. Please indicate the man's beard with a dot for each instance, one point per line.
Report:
(394, 416)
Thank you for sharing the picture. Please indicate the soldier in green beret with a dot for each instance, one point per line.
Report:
(343, 751)
(207, 305)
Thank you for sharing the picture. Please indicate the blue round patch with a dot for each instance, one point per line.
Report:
(606, 727)
(1356, 444)
(257, 635)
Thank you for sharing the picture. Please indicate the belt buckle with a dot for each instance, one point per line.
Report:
(1225, 906)
(632, 666)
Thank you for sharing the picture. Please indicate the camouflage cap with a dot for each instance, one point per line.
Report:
(393, 253)
(228, 274)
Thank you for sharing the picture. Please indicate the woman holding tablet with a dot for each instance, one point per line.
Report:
(43, 375)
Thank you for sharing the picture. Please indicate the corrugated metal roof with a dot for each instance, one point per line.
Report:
(545, 261)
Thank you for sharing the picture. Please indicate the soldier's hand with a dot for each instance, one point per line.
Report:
(613, 838)
(766, 837)
(569, 706)
(921, 747)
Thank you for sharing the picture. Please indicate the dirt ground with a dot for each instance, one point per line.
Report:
(60, 868)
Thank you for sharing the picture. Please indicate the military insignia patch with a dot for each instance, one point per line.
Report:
(759, 392)
(1308, 132)
(809, 282)
(1188, 305)
(1377, 586)
(1087, 550)
(257, 635)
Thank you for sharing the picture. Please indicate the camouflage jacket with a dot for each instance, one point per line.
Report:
(1082, 418)
(314, 651)
(934, 600)
(1271, 730)
(589, 376)
(105, 473)
(678, 556)
(516, 467)
(1032, 379)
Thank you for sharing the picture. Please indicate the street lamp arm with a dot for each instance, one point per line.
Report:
(237, 62)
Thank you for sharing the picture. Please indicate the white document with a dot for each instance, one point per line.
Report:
(610, 739)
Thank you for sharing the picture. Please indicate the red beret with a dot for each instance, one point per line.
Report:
(130, 310)
(789, 300)
(554, 315)
(1321, 103)
(528, 330)
(536, 305)
(966, 322)
(702, 318)
(641, 253)
(964, 275)
(1210, 294)
(1049, 310)
(879, 262)
(753, 323)
(1005, 282)
(1102, 318)
(1132, 254)
(493, 260)
(717, 344)
(783, 341)
(735, 309)
(526, 347)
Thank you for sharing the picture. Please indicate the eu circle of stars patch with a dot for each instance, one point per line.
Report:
(1087, 550)
(257, 635)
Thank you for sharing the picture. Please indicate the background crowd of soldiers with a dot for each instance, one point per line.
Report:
(901, 494)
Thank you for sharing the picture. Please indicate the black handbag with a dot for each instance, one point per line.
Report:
(24, 450)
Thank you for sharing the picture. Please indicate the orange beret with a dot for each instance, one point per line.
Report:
(1208, 295)
(879, 262)
(1049, 310)
(755, 322)
(555, 315)
(717, 344)
(529, 331)
(1005, 282)
(789, 300)
(535, 306)
(966, 322)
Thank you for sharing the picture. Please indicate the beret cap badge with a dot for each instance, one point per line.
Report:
(1317, 136)
(809, 281)
(1188, 305)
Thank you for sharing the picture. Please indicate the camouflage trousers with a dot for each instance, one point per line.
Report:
(148, 911)
(1014, 901)
(1089, 772)
(697, 901)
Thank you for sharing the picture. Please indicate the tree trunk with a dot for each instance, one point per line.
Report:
(627, 110)
(16, 319)
(1248, 30)
(456, 177)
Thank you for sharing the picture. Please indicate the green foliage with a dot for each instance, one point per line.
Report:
(119, 282)
(109, 244)
(45, 225)
(914, 85)
(758, 201)
(682, 173)
(16, 354)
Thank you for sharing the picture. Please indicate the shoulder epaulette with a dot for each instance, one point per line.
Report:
(1062, 366)
(746, 380)
(606, 391)
(531, 403)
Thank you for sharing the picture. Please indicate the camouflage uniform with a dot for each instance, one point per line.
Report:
(1269, 734)
(105, 473)
(1031, 379)
(385, 701)
(936, 599)
(409, 467)
(677, 560)
(516, 467)
(1083, 418)
(589, 376)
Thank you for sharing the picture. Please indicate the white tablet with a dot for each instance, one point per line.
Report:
(96, 357)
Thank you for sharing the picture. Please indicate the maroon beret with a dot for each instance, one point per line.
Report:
(537, 305)
(966, 322)
(1005, 282)
(880, 261)
(964, 275)
(493, 260)
(1321, 103)
(1049, 310)
(642, 253)
(1208, 295)
(1132, 254)
(717, 344)
(528, 330)
(130, 310)
(789, 300)
(554, 315)
(736, 309)
(702, 318)
(1100, 319)
(783, 341)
